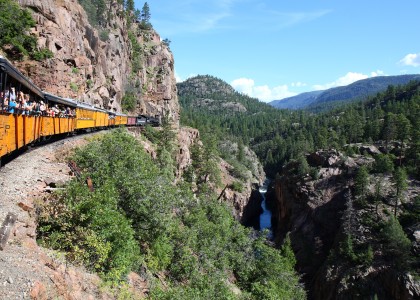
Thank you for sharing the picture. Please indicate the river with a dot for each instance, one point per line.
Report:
(265, 217)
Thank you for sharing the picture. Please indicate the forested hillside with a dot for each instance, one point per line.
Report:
(277, 136)
(346, 183)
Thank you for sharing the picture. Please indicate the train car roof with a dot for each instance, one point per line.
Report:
(5, 65)
(120, 114)
(86, 106)
(61, 100)
(102, 109)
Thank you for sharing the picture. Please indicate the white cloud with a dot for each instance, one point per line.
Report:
(243, 85)
(298, 84)
(193, 16)
(178, 78)
(347, 79)
(291, 19)
(377, 73)
(262, 92)
(411, 60)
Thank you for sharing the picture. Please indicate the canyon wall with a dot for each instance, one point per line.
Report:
(320, 213)
(95, 66)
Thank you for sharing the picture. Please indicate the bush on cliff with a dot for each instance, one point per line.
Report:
(15, 39)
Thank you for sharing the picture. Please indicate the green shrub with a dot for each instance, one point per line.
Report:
(89, 83)
(74, 87)
(151, 134)
(15, 22)
(384, 163)
(129, 101)
(104, 35)
(398, 245)
(88, 228)
(134, 209)
(42, 54)
(237, 186)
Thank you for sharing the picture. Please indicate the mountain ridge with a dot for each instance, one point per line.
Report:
(316, 100)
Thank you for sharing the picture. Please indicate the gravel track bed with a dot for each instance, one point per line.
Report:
(26, 270)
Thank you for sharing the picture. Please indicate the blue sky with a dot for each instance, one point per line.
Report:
(279, 48)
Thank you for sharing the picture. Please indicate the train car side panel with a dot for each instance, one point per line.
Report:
(29, 129)
(117, 120)
(56, 122)
(19, 131)
(7, 134)
(47, 126)
(84, 118)
(82, 124)
(3, 134)
(37, 127)
(131, 120)
(101, 119)
(72, 124)
(64, 125)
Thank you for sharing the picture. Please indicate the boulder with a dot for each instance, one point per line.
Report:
(369, 149)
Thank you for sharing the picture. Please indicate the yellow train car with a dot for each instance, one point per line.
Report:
(28, 114)
(121, 119)
(63, 121)
(18, 126)
(85, 116)
(101, 118)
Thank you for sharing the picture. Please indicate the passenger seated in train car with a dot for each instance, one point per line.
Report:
(59, 113)
(50, 112)
(11, 94)
(31, 105)
(35, 111)
(43, 109)
(5, 104)
(12, 106)
(23, 107)
(55, 111)
(68, 112)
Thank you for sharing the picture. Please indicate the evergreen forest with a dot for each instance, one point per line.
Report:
(279, 136)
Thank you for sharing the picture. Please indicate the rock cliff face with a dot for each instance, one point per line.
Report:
(314, 212)
(95, 67)
(238, 200)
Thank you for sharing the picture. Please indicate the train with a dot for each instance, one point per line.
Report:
(29, 114)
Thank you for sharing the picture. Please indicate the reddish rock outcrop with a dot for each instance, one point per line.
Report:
(95, 70)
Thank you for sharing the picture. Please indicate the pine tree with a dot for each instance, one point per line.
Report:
(145, 17)
(403, 132)
(362, 182)
(389, 130)
(400, 178)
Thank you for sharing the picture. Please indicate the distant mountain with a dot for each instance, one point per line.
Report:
(298, 101)
(320, 100)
